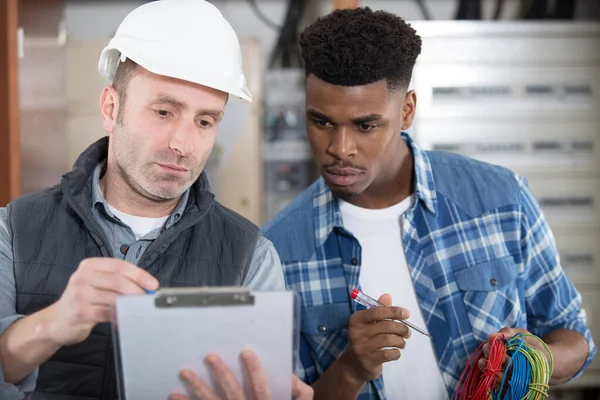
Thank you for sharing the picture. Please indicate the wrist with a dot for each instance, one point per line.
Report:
(546, 349)
(348, 373)
(549, 354)
(47, 328)
(339, 381)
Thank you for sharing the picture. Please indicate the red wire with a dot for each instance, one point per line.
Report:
(475, 384)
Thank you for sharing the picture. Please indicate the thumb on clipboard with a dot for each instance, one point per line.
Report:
(301, 390)
(199, 390)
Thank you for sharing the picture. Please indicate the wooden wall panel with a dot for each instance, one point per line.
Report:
(240, 186)
(345, 3)
(9, 103)
(42, 94)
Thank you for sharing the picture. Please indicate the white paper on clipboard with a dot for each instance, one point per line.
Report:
(156, 336)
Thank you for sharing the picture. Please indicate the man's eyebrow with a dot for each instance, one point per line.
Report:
(215, 113)
(366, 119)
(164, 98)
(316, 114)
(357, 121)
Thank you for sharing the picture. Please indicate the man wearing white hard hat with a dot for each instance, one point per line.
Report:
(135, 213)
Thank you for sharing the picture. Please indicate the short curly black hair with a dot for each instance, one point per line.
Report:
(355, 47)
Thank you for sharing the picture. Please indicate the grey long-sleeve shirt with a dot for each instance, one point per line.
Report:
(265, 272)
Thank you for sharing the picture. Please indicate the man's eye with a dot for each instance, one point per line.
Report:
(162, 113)
(366, 127)
(204, 123)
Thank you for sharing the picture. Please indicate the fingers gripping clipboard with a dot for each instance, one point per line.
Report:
(156, 336)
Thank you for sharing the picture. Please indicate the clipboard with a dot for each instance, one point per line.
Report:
(158, 335)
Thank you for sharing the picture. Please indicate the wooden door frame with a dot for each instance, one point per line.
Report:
(345, 3)
(10, 160)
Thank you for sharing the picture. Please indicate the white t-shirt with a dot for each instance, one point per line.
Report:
(416, 375)
(140, 226)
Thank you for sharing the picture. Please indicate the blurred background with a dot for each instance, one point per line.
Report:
(512, 82)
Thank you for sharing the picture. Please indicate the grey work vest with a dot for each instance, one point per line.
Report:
(54, 230)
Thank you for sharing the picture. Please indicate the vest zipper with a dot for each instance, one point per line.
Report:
(109, 383)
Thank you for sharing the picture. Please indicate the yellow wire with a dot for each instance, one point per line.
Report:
(541, 366)
(541, 369)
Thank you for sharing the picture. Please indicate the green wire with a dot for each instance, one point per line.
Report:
(541, 369)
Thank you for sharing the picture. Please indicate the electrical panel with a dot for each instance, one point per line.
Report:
(528, 147)
(288, 164)
(579, 254)
(569, 202)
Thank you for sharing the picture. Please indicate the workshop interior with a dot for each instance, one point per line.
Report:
(514, 83)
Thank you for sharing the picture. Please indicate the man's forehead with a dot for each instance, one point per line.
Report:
(176, 88)
(351, 102)
(321, 93)
(315, 83)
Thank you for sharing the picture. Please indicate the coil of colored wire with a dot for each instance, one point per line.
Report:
(530, 371)
(525, 376)
(475, 384)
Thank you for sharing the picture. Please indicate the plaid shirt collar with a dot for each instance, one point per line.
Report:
(326, 210)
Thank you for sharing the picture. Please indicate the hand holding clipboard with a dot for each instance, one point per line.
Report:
(260, 385)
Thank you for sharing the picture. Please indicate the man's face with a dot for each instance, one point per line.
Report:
(165, 137)
(354, 133)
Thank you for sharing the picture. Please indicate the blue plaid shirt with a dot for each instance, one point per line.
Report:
(480, 254)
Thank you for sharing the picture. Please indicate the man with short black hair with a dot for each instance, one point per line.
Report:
(461, 245)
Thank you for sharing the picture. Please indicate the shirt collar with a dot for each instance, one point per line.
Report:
(98, 200)
(326, 210)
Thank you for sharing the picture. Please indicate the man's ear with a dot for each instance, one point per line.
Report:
(409, 109)
(109, 108)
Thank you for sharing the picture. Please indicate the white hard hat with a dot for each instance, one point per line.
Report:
(183, 39)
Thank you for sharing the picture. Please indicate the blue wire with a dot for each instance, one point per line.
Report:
(528, 376)
(521, 376)
(515, 379)
(518, 384)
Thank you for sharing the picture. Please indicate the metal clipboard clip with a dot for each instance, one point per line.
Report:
(203, 297)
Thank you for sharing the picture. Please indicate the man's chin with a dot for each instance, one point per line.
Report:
(344, 192)
(167, 193)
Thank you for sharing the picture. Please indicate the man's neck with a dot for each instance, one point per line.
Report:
(121, 196)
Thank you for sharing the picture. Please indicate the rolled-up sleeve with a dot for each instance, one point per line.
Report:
(552, 300)
(8, 314)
